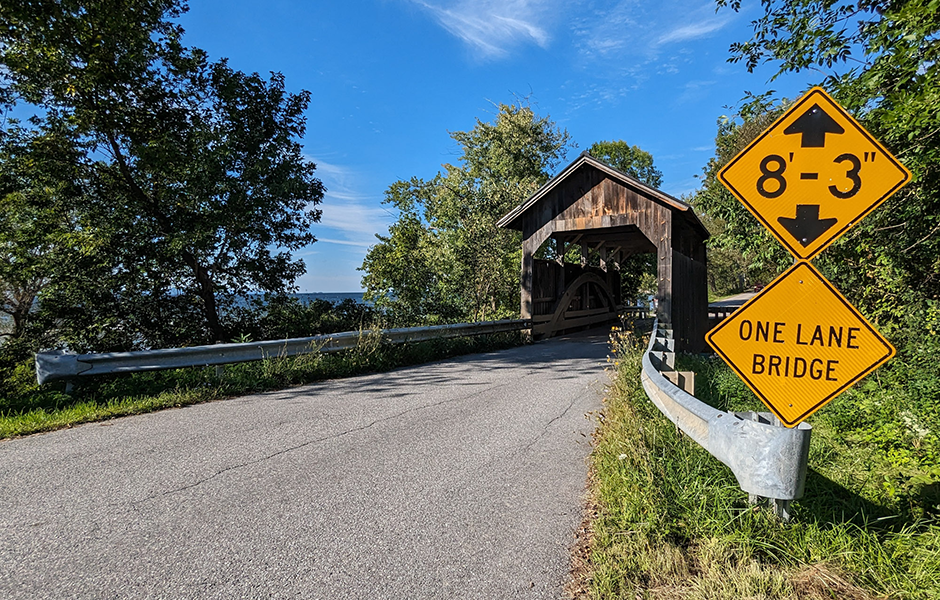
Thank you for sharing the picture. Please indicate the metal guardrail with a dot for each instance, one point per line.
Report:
(768, 460)
(720, 312)
(52, 366)
(635, 312)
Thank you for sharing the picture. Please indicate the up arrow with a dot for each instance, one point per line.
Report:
(806, 227)
(814, 124)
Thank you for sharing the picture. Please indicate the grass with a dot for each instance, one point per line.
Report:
(48, 407)
(669, 521)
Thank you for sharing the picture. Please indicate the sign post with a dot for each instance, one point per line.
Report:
(808, 178)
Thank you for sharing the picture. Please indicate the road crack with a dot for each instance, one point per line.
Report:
(320, 440)
(548, 425)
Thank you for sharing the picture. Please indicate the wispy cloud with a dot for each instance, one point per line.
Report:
(358, 244)
(627, 43)
(694, 31)
(492, 27)
(351, 217)
(693, 91)
(610, 31)
(354, 219)
(642, 30)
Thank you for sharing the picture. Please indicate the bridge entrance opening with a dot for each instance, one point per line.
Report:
(609, 217)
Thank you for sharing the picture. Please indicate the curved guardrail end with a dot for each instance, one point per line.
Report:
(58, 365)
(767, 460)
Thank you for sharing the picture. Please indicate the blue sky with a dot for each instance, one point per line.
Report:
(390, 78)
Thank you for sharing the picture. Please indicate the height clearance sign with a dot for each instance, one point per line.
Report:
(813, 174)
(809, 177)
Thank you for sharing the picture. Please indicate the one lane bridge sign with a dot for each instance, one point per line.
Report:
(813, 174)
(799, 344)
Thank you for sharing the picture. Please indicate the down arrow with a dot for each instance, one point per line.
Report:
(806, 227)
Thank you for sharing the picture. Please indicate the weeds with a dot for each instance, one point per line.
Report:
(672, 522)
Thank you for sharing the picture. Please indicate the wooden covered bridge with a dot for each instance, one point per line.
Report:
(604, 210)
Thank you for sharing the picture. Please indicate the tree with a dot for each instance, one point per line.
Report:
(444, 258)
(879, 60)
(201, 188)
(40, 190)
(632, 160)
(410, 271)
(739, 246)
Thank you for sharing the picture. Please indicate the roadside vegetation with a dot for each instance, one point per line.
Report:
(33, 408)
(669, 520)
(147, 189)
(151, 188)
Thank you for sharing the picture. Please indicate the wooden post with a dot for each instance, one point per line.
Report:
(530, 245)
(528, 265)
(525, 310)
(560, 259)
(664, 288)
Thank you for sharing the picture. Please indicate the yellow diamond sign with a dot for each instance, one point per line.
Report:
(813, 174)
(799, 343)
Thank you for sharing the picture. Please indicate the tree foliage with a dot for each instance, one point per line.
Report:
(197, 186)
(879, 59)
(740, 250)
(632, 160)
(444, 258)
(40, 194)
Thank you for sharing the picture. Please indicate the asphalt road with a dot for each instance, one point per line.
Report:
(735, 301)
(458, 479)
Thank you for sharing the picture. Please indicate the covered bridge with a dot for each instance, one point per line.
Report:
(604, 210)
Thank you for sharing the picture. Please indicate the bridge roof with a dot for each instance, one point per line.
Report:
(513, 219)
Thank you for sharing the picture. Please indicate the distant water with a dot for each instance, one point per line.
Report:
(307, 297)
(333, 297)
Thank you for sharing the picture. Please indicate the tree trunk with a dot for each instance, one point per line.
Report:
(19, 322)
(20, 303)
(206, 291)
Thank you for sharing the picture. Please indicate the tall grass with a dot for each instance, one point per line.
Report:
(671, 521)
